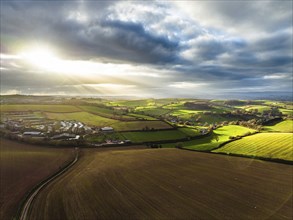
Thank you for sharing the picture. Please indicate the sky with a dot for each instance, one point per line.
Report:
(145, 48)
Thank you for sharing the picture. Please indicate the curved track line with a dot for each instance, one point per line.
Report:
(28, 203)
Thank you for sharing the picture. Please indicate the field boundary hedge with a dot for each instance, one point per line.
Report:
(179, 140)
(275, 160)
(235, 139)
(158, 142)
(150, 130)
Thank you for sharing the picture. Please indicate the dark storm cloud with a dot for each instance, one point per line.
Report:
(278, 41)
(234, 47)
(137, 43)
(97, 38)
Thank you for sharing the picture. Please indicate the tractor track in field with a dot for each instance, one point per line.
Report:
(29, 200)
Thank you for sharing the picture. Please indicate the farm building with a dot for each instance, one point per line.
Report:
(107, 129)
(32, 134)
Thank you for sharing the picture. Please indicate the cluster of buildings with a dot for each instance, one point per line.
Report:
(29, 125)
(74, 127)
(26, 125)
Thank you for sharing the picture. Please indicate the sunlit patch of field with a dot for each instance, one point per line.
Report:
(167, 184)
(85, 117)
(185, 112)
(133, 103)
(260, 108)
(153, 111)
(177, 105)
(190, 131)
(286, 111)
(143, 102)
(284, 126)
(212, 141)
(267, 145)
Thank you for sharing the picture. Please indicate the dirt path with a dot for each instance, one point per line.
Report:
(35, 192)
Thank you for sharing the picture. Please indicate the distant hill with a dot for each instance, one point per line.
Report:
(198, 105)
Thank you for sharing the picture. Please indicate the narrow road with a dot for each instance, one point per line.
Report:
(28, 203)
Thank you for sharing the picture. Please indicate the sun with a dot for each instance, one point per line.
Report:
(41, 57)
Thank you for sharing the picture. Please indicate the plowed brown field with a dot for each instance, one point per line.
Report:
(22, 166)
(167, 184)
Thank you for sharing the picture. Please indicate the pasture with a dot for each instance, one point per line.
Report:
(22, 166)
(153, 111)
(212, 141)
(190, 131)
(97, 110)
(260, 108)
(150, 136)
(142, 117)
(216, 118)
(85, 117)
(182, 112)
(101, 138)
(143, 102)
(132, 103)
(45, 108)
(284, 126)
(167, 184)
(288, 112)
(105, 112)
(177, 105)
(140, 125)
(268, 145)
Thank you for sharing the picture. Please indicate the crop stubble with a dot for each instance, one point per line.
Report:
(167, 184)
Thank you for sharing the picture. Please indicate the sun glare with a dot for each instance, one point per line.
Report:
(40, 57)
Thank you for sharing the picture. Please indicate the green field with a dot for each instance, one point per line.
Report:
(98, 110)
(167, 184)
(268, 145)
(133, 103)
(105, 112)
(190, 131)
(215, 118)
(96, 120)
(142, 103)
(145, 136)
(182, 112)
(284, 126)
(149, 136)
(286, 111)
(45, 108)
(101, 138)
(140, 116)
(260, 108)
(85, 117)
(140, 125)
(153, 111)
(218, 137)
(178, 105)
